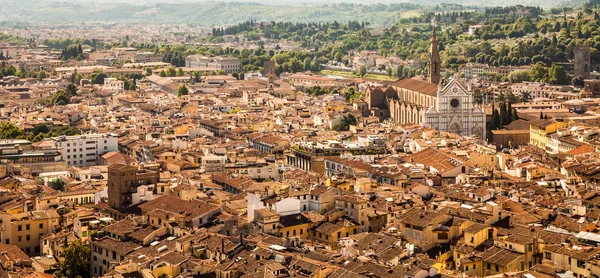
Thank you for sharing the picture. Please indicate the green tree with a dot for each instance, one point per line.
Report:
(578, 81)
(518, 76)
(362, 71)
(349, 93)
(97, 77)
(180, 72)
(295, 65)
(538, 72)
(182, 90)
(41, 75)
(76, 262)
(307, 62)
(171, 71)
(60, 98)
(40, 128)
(162, 73)
(71, 89)
(9, 130)
(558, 75)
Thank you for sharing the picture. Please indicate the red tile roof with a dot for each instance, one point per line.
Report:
(417, 86)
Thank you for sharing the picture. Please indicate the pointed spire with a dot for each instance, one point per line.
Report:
(434, 57)
(433, 34)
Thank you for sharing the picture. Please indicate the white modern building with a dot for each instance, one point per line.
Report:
(84, 150)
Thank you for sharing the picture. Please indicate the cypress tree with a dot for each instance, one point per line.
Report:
(509, 112)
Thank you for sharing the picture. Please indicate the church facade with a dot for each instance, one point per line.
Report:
(413, 101)
(455, 112)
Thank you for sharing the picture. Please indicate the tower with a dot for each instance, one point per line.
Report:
(581, 63)
(123, 183)
(434, 58)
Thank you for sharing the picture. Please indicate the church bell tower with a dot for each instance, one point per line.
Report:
(434, 58)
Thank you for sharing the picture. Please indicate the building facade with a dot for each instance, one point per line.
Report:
(581, 63)
(123, 181)
(25, 229)
(449, 108)
(84, 150)
(456, 112)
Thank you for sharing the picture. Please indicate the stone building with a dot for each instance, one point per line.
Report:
(413, 101)
(581, 63)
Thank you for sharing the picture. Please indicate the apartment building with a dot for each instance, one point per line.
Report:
(114, 84)
(84, 150)
(227, 64)
(148, 57)
(25, 229)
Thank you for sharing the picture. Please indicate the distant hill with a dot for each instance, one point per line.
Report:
(380, 12)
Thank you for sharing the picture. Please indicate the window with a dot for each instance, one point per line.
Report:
(114, 255)
(497, 268)
(580, 264)
(489, 266)
(20, 238)
(41, 225)
(530, 247)
(548, 255)
(28, 237)
(19, 228)
(458, 256)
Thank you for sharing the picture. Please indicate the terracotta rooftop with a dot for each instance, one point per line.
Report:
(417, 86)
